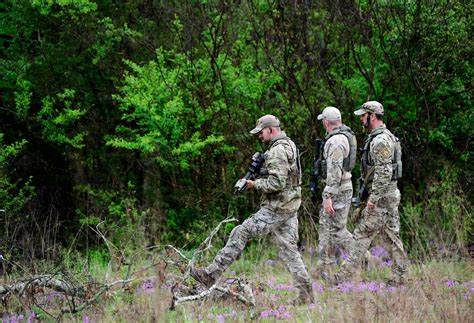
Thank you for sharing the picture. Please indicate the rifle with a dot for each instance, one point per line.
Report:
(362, 195)
(254, 168)
(360, 200)
(313, 184)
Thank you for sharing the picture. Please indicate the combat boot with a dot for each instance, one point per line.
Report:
(398, 275)
(305, 296)
(203, 277)
(396, 280)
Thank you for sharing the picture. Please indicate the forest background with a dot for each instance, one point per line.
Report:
(135, 114)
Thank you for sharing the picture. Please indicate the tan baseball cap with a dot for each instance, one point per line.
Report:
(370, 107)
(330, 113)
(265, 121)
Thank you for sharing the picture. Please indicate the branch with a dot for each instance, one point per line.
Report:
(206, 244)
(93, 299)
(250, 300)
(42, 281)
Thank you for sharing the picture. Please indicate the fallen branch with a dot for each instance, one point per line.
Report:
(42, 281)
(93, 299)
(249, 300)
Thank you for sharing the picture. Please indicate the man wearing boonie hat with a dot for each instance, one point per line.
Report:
(338, 160)
(280, 185)
(380, 169)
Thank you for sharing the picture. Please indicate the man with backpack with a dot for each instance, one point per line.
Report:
(336, 164)
(381, 167)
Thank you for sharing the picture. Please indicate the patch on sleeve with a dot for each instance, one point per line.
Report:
(384, 152)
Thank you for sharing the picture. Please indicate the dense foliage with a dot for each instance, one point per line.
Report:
(133, 116)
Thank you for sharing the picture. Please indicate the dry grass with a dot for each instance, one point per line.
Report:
(436, 291)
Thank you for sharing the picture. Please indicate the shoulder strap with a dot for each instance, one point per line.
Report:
(349, 161)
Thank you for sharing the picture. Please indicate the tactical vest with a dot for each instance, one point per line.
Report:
(367, 163)
(348, 162)
(295, 164)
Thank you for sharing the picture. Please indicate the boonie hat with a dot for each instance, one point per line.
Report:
(370, 107)
(265, 121)
(330, 113)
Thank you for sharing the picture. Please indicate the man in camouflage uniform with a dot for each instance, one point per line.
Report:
(381, 167)
(280, 185)
(339, 154)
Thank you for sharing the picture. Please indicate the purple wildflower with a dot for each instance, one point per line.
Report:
(388, 263)
(318, 287)
(264, 314)
(345, 287)
(379, 252)
(199, 317)
(450, 283)
(86, 319)
(372, 286)
(220, 318)
(275, 313)
(284, 287)
(147, 287)
(234, 313)
(31, 316)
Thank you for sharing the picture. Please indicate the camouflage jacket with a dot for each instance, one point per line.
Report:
(337, 179)
(380, 156)
(280, 176)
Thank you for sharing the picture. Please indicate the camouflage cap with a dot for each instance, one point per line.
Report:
(264, 122)
(330, 113)
(370, 107)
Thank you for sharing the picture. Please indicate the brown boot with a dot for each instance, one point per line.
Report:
(203, 277)
(305, 296)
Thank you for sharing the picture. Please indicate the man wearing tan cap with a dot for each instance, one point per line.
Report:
(280, 187)
(380, 168)
(338, 160)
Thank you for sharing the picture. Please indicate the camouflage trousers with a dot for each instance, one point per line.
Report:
(284, 228)
(383, 220)
(334, 238)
